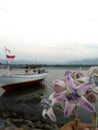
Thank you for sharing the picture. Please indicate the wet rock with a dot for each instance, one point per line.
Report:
(27, 116)
(30, 123)
(10, 123)
(25, 127)
(2, 124)
(22, 124)
(19, 129)
(9, 128)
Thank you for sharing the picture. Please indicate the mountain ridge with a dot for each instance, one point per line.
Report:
(73, 62)
(84, 61)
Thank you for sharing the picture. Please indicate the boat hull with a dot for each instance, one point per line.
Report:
(12, 82)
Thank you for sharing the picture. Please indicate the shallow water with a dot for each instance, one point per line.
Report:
(22, 96)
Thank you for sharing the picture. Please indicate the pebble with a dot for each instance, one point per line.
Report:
(22, 124)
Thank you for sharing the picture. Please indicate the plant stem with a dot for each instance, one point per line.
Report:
(94, 120)
(75, 112)
(76, 120)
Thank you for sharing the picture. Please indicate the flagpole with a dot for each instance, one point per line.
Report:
(6, 54)
(10, 57)
(8, 65)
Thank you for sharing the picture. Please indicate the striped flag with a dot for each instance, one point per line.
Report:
(8, 55)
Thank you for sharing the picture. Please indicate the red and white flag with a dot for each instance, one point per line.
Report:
(8, 55)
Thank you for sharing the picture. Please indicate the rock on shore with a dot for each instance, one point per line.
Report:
(23, 124)
(23, 112)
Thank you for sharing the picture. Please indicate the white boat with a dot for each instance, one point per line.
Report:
(12, 81)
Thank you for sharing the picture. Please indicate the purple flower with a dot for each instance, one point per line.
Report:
(48, 110)
(58, 86)
(93, 71)
(74, 96)
(91, 95)
(77, 74)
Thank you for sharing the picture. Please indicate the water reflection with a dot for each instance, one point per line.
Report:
(23, 91)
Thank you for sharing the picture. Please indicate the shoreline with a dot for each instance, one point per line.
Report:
(24, 110)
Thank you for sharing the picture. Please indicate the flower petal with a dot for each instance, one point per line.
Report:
(60, 96)
(83, 79)
(83, 87)
(51, 96)
(84, 103)
(93, 70)
(69, 81)
(77, 74)
(44, 112)
(91, 97)
(55, 101)
(58, 85)
(69, 106)
(51, 115)
(62, 104)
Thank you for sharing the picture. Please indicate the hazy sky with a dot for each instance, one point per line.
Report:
(49, 30)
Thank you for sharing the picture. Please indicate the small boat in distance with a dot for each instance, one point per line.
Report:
(10, 81)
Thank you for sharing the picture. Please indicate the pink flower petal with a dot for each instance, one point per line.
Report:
(58, 85)
(69, 106)
(84, 103)
(51, 115)
(60, 96)
(83, 87)
(54, 100)
(69, 82)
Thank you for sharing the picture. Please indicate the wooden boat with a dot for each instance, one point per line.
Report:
(13, 81)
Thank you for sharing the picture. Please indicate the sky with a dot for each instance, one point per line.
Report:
(49, 30)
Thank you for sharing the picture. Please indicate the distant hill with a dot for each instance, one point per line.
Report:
(84, 62)
(17, 62)
(74, 62)
(2, 61)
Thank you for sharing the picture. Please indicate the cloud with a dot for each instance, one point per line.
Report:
(2, 8)
(64, 29)
(94, 20)
(91, 46)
